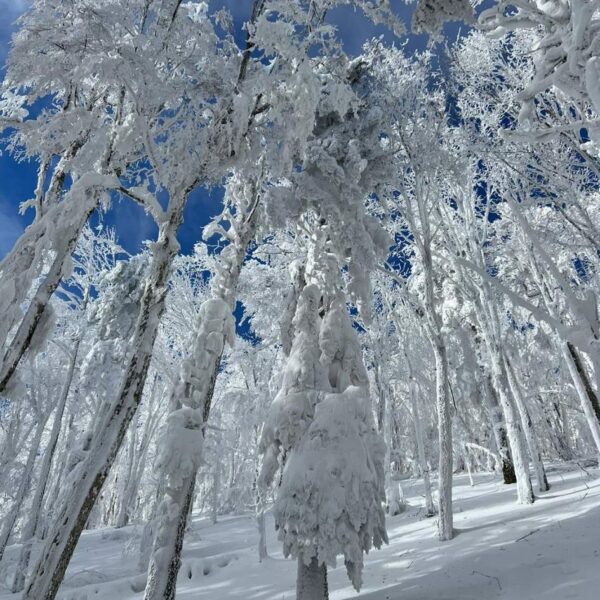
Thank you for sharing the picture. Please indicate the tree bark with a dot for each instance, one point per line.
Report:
(489, 325)
(582, 393)
(311, 582)
(527, 424)
(445, 522)
(500, 435)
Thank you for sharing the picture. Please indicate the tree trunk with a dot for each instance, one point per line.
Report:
(445, 529)
(108, 437)
(215, 494)
(582, 392)
(36, 309)
(489, 328)
(122, 516)
(429, 505)
(527, 424)
(36, 506)
(165, 560)
(11, 518)
(565, 441)
(166, 557)
(587, 385)
(17, 267)
(500, 435)
(194, 392)
(515, 438)
(311, 583)
(262, 533)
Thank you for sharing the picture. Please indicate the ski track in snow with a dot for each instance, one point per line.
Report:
(548, 551)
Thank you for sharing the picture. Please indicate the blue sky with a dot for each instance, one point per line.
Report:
(17, 180)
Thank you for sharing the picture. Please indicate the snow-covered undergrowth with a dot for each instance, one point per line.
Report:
(548, 551)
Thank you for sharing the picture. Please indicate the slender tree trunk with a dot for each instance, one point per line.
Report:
(17, 268)
(565, 434)
(57, 476)
(489, 327)
(10, 520)
(169, 563)
(11, 445)
(500, 435)
(582, 393)
(36, 309)
(108, 437)
(429, 504)
(527, 424)
(468, 460)
(260, 502)
(215, 494)
(122, 516)
(515, 438)
(311, 583)
(445, 528)
(260, 524)
(36, 506)
(587, 384)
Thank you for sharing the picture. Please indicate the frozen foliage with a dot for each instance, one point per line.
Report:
(331, 496)
(304, 381)
(340, 350)
(113, 318)
(430, 15)
(562, 37)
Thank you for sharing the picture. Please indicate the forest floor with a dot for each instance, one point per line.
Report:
(548, 551)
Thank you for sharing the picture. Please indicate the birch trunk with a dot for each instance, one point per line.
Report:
(489, 324)
(565, 441)
(17, 267)
(108, 437)
(215, 494)
(434, 329)
(585, 380)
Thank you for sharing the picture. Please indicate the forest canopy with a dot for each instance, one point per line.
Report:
(399, 278)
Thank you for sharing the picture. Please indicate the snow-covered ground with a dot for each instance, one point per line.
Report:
(550, 550)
